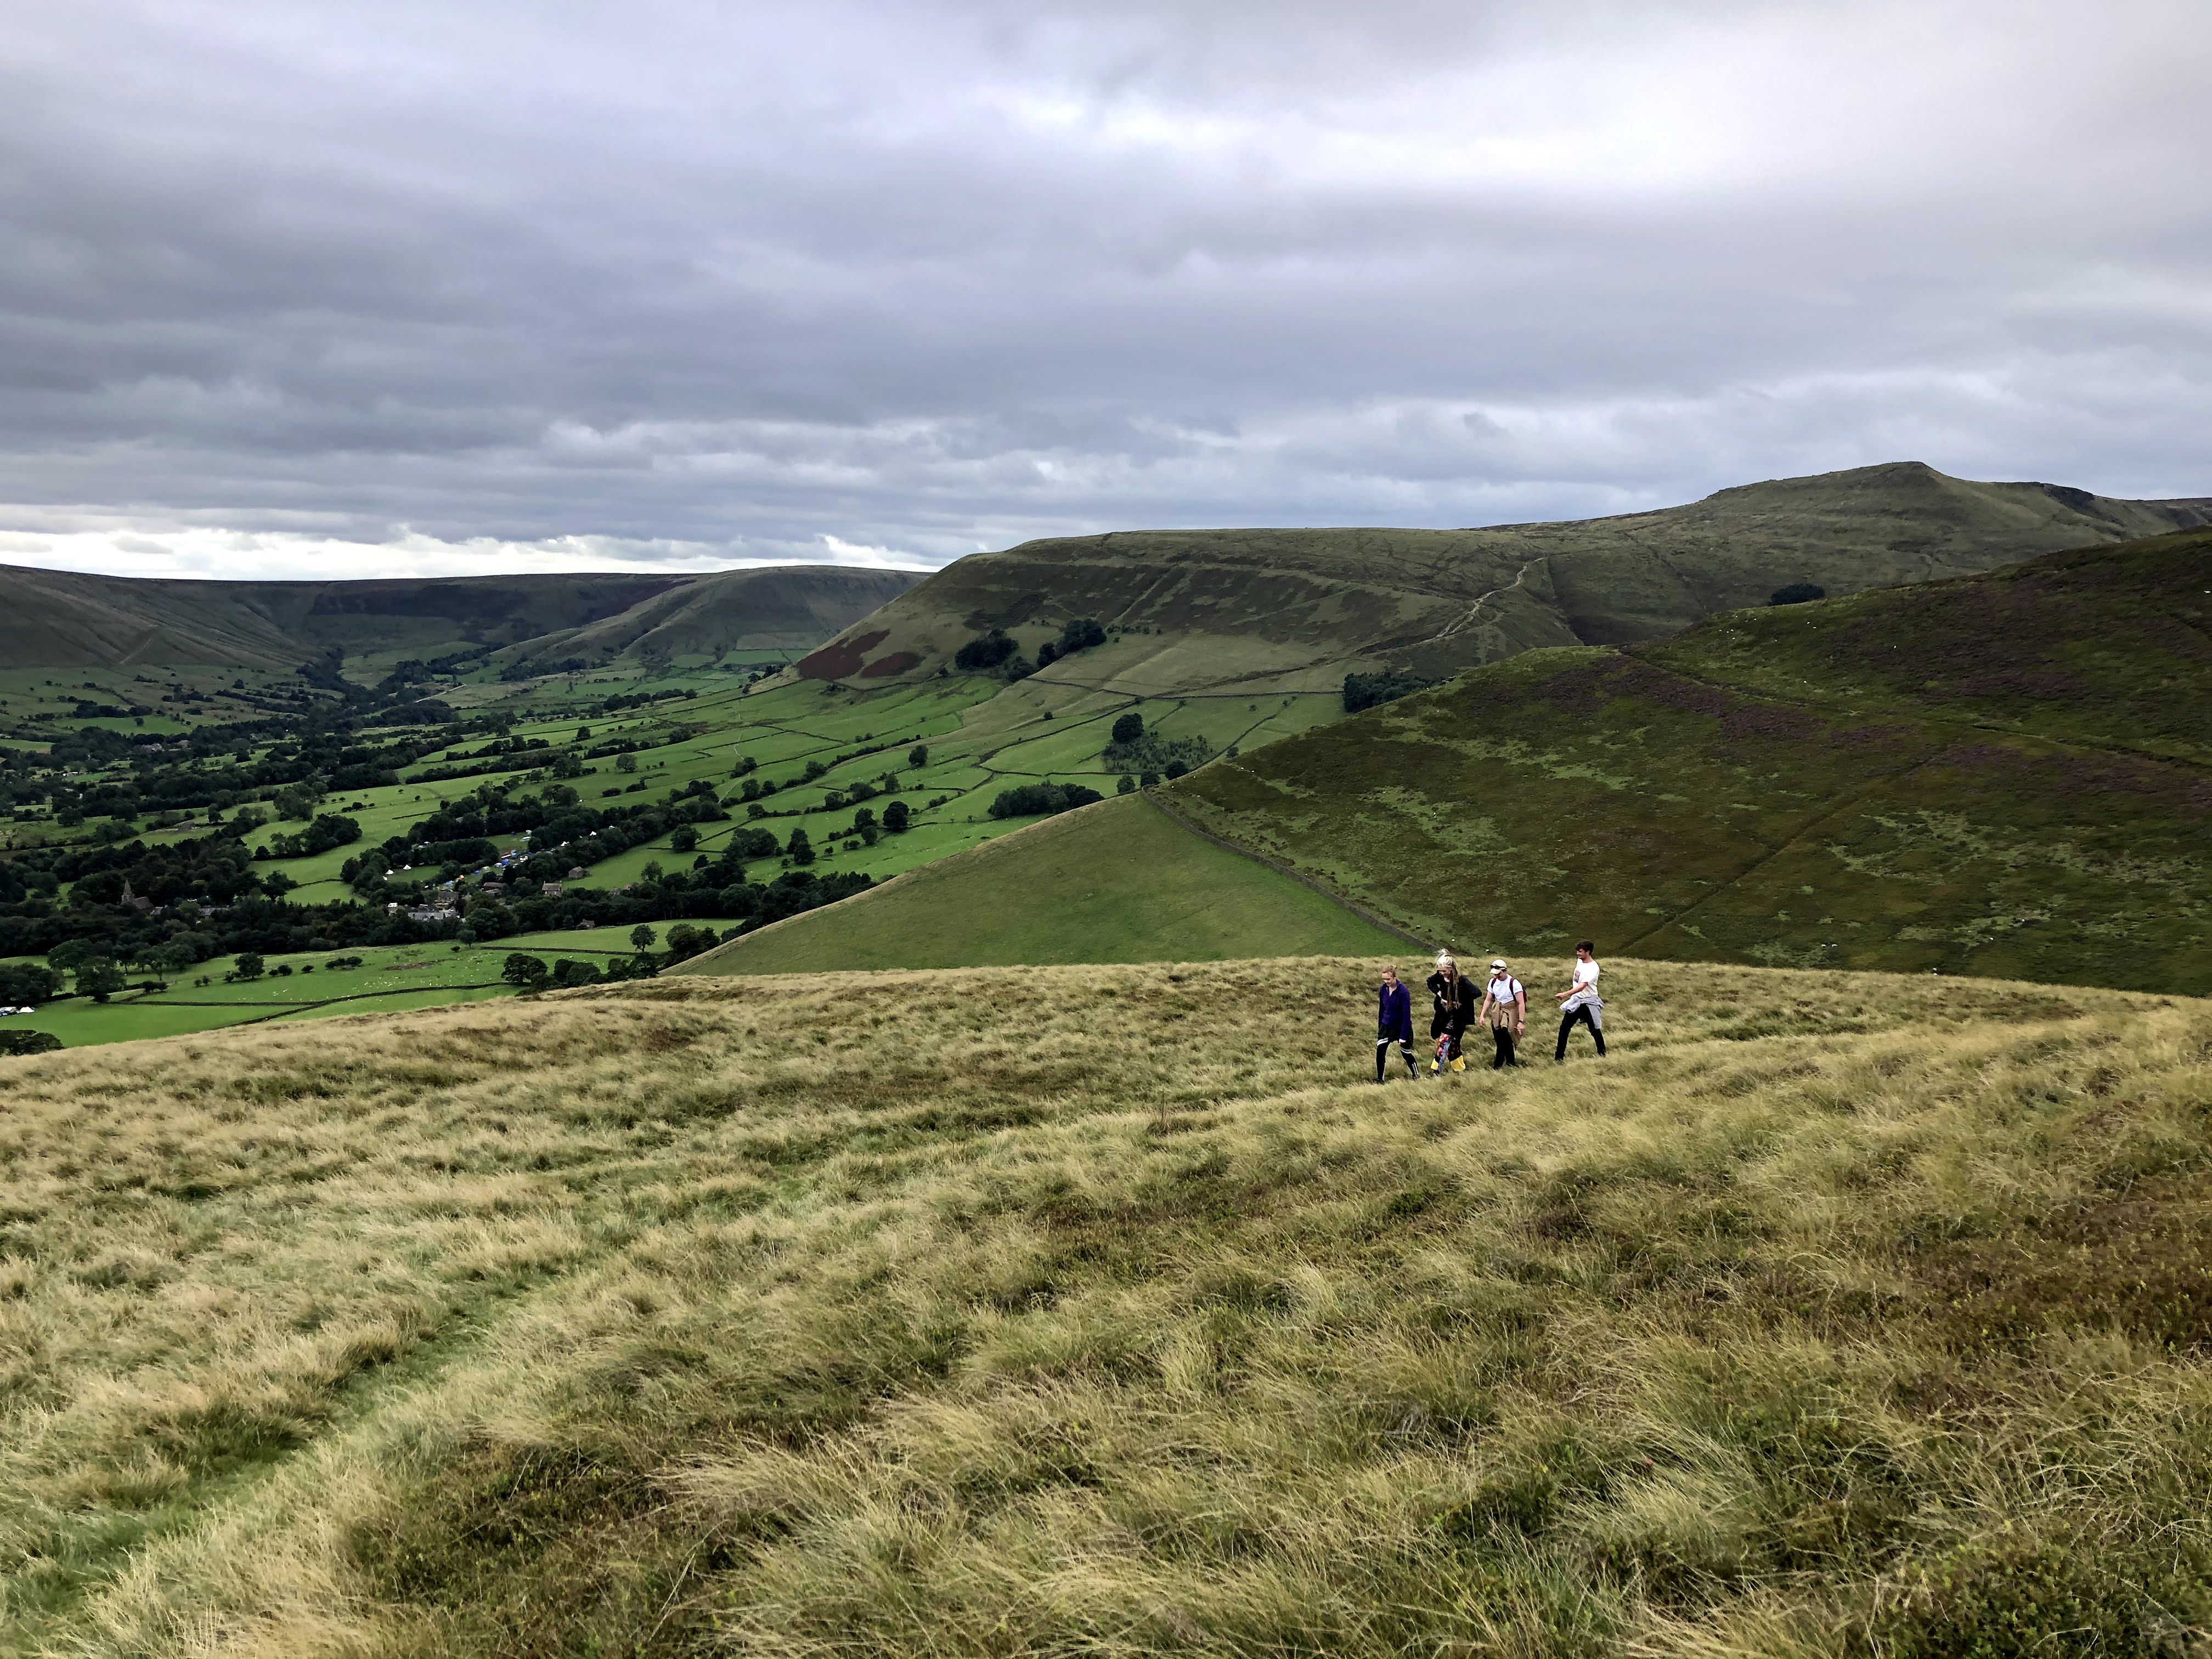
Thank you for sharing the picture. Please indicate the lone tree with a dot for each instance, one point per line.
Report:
(1129, 727)
(641, 937)
(100, 979)
(894, 818)
(800, 848)
(248, 965)
(918, 756)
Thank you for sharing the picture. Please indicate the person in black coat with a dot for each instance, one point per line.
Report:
(1393, 1022)
(1454, 997)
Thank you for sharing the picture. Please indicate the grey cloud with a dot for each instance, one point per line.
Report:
(925, 278)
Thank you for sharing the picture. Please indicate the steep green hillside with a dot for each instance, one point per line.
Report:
(792, 607)
(2007, 774)
(1118, 881)
(56, 620)
(1112, 1312)
(1231, 611)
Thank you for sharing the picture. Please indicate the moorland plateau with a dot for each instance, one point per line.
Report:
(1232, 613)
(1103, 1310)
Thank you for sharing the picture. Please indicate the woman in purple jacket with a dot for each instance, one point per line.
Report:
(1393, 1022)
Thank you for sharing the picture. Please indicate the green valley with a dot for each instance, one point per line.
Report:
(295, 769)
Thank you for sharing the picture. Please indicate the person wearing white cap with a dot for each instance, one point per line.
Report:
(1505, 1011)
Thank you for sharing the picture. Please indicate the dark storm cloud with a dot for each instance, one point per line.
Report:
(689, 282)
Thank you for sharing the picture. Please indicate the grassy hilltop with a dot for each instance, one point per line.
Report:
(1231, 611)
(2007, 774)
(1117, 881)
(1104, 1310)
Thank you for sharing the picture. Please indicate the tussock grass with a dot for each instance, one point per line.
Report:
(1105, 1311)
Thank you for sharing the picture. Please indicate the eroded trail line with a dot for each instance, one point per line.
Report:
(1453, 629)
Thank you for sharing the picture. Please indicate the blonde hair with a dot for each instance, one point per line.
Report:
(1444, 960)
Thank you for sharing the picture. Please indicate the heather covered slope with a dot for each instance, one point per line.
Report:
(1109, 1311)
(1117, 881)
(1293, 610)
(2007, 774)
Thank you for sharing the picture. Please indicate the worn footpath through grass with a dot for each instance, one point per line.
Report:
(1108, 1311)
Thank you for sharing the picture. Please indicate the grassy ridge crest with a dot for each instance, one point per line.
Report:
(1102, 1309)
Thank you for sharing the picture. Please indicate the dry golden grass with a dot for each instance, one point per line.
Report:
(1111, 1311)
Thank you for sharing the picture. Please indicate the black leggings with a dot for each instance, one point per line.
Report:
(1503, 1035)
(1567, 1024)
(1404, 1049)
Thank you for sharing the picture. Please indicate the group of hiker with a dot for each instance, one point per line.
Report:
(1503, 1007)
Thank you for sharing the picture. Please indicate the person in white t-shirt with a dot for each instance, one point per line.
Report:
(1505, 1011)
(1581, 1002)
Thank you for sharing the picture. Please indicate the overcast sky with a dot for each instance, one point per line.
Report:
(341, 288)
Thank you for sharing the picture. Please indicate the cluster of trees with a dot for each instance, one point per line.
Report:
(1036, 800)
(534, 974)
(999, 650)
(566, 832)
(1074, 636)
(212, 767)
(26, 985)
(984, 650)
(328, 832)
(1797, 593)
(1135, 749)
(1370, 691)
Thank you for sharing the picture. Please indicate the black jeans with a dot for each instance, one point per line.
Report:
(1503, 1036)
(1404, 1049)
(1567, 1024)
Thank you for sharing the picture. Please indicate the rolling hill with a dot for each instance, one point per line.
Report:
(53, 619)
(1117, 881)
(2006, 774)
(1236, 611)
(1112, 1311)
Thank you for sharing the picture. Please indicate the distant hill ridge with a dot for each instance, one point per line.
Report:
(59, 619)
(1257, 610)
(2006, 774)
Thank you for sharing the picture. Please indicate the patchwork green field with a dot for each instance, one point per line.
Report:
(833, 763)
(1118, 881)
(307, 985)
(2004, 775)
(1109, 1311)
